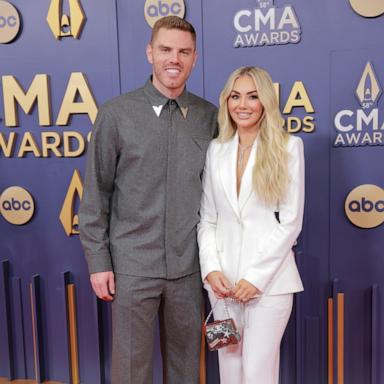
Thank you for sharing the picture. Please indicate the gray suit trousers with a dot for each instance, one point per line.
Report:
(178, 304)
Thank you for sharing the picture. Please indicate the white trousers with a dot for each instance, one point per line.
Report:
(262, 323)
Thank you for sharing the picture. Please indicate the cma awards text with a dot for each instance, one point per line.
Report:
(35, 101)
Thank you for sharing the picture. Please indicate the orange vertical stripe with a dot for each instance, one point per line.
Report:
(73, 342)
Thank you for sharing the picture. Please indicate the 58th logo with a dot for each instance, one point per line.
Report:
(266, 24)
(365, 125)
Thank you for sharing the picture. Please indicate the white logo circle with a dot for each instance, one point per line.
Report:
(16, 205)
(156, 9)
(9, 22)
(364, 206)
(368, 8)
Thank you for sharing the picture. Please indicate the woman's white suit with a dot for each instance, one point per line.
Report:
(241, 237)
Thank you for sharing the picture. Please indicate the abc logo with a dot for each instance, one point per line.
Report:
(156, 9)
(364, 206)
(365, 8)
(9, 22)
(16, 205)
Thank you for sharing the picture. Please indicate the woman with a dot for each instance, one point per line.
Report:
(251, 214)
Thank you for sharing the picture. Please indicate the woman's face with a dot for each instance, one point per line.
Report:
(244, 105)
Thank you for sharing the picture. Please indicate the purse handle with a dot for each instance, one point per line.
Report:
(225, 309)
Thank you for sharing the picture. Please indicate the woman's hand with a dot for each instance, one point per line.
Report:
(244, 291)
(219, 284)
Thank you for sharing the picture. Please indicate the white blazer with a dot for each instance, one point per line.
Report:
(240, 236)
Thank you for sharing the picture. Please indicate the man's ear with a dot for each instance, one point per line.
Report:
(195, 59)
(149, 53)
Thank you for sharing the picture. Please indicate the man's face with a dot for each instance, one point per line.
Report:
(172, 54)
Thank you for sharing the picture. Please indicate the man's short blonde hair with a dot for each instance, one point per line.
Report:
(173, 22)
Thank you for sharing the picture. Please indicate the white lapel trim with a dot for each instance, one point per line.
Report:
(246, 187)
(228, 172)
(157, 109)
(184, 111)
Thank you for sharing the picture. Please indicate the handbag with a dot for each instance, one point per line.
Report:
(221, 333)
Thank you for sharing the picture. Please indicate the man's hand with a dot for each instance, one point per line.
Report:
(244, 291)
(103, 284)
(219, 284)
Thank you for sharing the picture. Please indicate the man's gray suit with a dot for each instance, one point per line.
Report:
(140, 208)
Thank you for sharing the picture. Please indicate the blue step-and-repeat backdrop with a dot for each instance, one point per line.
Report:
(61, 59)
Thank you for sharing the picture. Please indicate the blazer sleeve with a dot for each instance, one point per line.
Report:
(206, 229)
(276, 247)
(94, 212)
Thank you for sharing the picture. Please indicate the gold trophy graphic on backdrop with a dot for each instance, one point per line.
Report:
(368, 89)
(69, 219)
(63, 25)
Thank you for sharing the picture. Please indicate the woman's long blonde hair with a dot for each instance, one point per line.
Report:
(270, 171)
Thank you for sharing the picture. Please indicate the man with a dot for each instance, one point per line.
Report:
(140, 209)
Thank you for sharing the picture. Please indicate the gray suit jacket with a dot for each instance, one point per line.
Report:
(142, 187)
